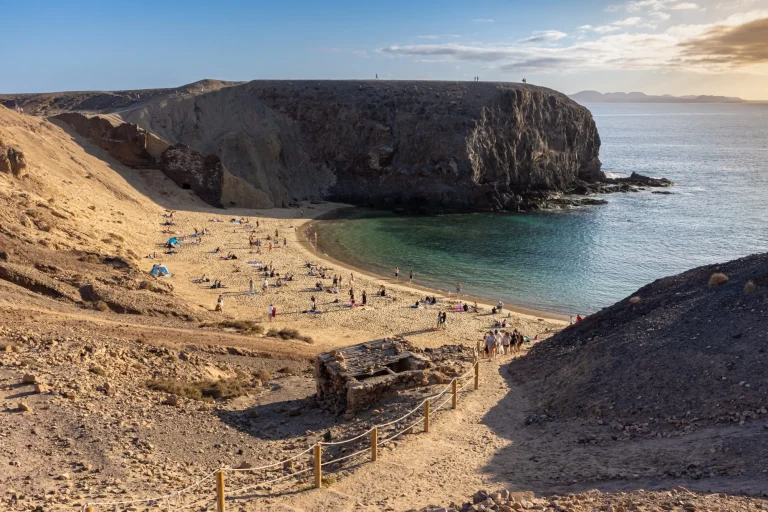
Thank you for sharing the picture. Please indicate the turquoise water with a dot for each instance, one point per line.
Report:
(578, 261)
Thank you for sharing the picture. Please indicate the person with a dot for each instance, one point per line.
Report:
(270, 312)
(578, 318)
(270, 246)
(397, 273)
(274, 312)
(458, 289)
(497, 342)
(439, 319)
(314, 304)
(339, 280)
(335, 280)
(257, 223)
(489, 340)
(506, 342)
(466, 307)
(265, 286)
(285, 242)
(220, 304)
(251, 291)
(365, 298)
(352, 297)
(277, 235)
(383, 291)
(570, 320)
(410, 277)
(444, 319)
(501, 306)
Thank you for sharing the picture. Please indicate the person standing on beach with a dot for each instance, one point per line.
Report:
(501, 306)
(250, 287)
(314, 304)
(439, 319)
(269, 312)
(410, 277)
(444, 319)
(220, 304)
(365, 298)
(397, 273)
(274, 313)
(458, 289)
(265, 286)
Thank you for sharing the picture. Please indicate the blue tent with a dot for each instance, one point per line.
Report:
(172, 241)
(160, 271)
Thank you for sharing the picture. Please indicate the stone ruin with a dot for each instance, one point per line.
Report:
(354, 378)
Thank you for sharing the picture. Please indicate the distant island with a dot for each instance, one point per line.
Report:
(639, 97)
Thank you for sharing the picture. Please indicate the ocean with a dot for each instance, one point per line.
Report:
(579, 261)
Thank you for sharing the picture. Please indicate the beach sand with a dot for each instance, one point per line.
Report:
(334, 324)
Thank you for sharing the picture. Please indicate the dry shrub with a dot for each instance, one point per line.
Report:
(750, 286)
(263, 374)
(289, 334)
(717, 279)
(241, 326)
(205, 390)
(101, 306)
(634, 300)
(97, 370)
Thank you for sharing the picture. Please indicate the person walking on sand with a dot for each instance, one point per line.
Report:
(444, 319)
(269, 312)
(439, 319)
(458, 289)
(410, 277)
(274, 313)
(365, 299)
(397, 273)
(313, 308)
(220, 304)
(265, 286)
(251, 291)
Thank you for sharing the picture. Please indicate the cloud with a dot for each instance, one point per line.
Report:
(629, 22)
(434, 36)
(483, 20)
(735, 43)
(659, 15)
(685, 6)
(730, 46)
(543, 36)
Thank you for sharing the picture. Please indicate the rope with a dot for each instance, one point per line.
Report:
(243, 470)
(323, 443)
(176, 495)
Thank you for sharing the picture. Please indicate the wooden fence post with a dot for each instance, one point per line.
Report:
(374, 444)
(318, 466)
(455, 391)
(219, 491)
(89, 508)
(426, 416)
(477, 375)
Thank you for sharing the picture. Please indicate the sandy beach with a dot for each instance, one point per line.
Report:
(334, 323)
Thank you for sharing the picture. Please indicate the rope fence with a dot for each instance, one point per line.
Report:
(378, 435)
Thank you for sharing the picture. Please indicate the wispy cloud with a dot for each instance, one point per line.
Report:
(685, 6)
(483, 20)
(436, 36)
(543, 36)
(737, 42)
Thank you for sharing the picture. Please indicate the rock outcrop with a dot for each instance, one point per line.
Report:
(457, 145)
(189, 169)
(12, 160)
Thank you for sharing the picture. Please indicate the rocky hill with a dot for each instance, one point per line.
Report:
(453, 145)
(435, 145)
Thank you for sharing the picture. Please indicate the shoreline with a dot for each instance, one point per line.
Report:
(304, 239)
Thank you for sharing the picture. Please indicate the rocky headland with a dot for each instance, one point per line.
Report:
(431, 146)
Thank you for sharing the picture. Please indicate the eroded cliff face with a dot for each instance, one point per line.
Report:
(449, 145)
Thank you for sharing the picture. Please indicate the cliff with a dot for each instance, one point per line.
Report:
(135, 147)
(462, 146)
(447, 145)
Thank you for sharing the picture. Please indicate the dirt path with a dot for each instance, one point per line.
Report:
(445, 465)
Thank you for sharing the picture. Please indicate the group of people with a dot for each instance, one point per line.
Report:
(497, 343)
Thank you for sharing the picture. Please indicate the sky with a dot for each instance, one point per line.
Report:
(674, 47)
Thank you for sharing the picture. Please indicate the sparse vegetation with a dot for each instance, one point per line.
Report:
(717, 279)
(263, 374)
(750, 286)
(241, 326)
(634, 300)
(206, 390)
(97, 370)
(289, 334)
(329, 480)
(100, 305)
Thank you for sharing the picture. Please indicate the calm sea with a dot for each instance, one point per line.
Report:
(579, 261)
